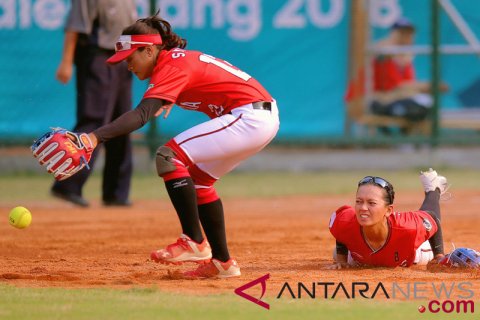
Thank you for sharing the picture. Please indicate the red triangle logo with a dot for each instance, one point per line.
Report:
(263, 281)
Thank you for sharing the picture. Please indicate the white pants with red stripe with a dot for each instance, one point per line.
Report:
(423, 254)
(219, 145)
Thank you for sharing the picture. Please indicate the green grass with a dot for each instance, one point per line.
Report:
(150, 303)
(18, 187)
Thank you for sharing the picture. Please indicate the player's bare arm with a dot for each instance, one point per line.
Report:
(340, 257)
(65, 68)
(341, 262)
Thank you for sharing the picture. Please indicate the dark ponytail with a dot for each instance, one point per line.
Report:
(156, 25)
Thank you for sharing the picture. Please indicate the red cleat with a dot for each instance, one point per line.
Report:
(184, 250)
(215, 269)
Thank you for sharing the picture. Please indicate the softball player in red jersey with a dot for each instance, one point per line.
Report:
(372, 234)
(243, 120)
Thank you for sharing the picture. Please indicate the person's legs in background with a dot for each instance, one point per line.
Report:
(88, 119)
(96, 107)
(117, 172)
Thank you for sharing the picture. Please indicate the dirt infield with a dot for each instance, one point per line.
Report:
(285, 237)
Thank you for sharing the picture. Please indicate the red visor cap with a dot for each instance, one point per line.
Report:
(127, 44)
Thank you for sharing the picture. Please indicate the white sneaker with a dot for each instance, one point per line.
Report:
(432, 181)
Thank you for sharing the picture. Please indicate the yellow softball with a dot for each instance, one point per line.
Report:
(20, 217)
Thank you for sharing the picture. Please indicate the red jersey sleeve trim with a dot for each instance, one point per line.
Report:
(166, 97)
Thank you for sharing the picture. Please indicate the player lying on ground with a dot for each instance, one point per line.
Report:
(244, 119)
(373, 234)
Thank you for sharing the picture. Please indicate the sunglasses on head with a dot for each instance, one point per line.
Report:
(127, 45)
(379, 182)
